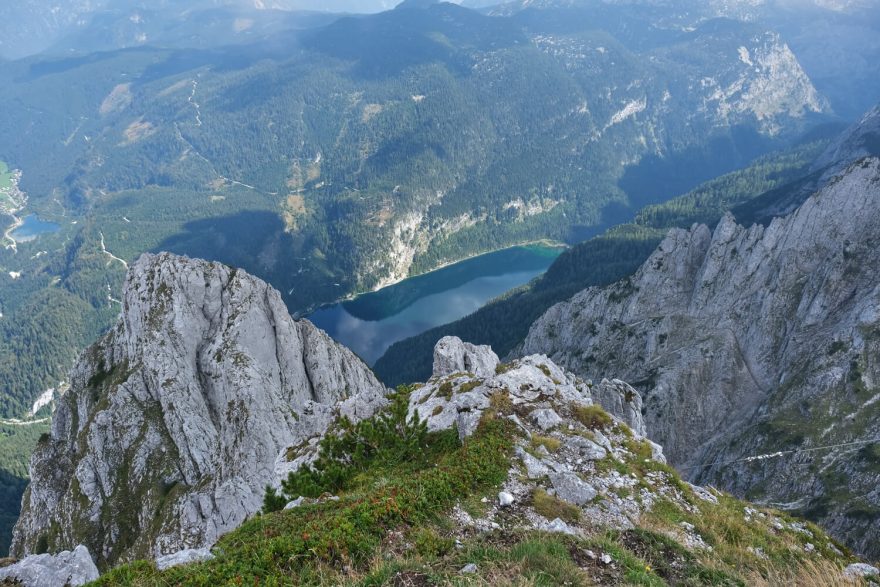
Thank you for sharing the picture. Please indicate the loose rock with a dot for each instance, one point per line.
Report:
(71, 568)
(184, 557)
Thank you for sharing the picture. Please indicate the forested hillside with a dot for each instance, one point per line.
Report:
(338, 159)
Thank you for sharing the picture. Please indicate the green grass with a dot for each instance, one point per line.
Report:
(593, 417)
(297, 546)
(551, 507)
(548, 442)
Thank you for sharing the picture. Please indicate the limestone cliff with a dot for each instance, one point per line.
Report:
(175, 418)
(752, 340)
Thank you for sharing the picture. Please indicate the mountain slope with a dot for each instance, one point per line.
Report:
(175, 418)
(333, 161)
(754, 340)
(206, 392)
(583, 500)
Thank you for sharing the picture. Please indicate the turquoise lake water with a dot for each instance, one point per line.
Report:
(371, 323)
(31, 228)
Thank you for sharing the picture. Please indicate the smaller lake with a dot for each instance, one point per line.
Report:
(371, 323)
(32, 227)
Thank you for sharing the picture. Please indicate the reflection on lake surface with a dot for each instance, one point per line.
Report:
(371, 323)
(32, 227)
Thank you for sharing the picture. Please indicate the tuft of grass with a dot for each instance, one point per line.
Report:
(445, 390)
(810, 573)
(466, 387)
(546, 561)
(593, 417)
(501, 403)
(551, 507)
(502, 368)
(548, 442)
(430, 544)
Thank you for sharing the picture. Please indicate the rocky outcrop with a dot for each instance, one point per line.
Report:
(526, 380)
(65, 569)
(184, 557)
(182, 413)
(753, 340)
(860, 140)
(546, 402)
(622, 400)
(858, 570)
(451, 355)
(574, 469)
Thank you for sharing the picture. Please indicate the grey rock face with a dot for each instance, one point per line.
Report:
(747, 341)
(860, 140)
(545, 419)
(857, 570)
(535, 468)
(572, 488)
(622, 400)
(184, 557)
(68, 568)
(182, 413)
(451, 355)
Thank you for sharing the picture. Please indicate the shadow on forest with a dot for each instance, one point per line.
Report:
(252, 240)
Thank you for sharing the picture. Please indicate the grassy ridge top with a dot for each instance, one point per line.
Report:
(400, 523)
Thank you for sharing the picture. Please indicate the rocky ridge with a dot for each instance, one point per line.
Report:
(574, 472)
(753, 340)
(206, 391)
(176, 418)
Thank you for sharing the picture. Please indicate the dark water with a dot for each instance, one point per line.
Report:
(31, 228)
(371, 323)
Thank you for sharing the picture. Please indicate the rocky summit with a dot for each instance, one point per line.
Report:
(746, 341)
(176, 418)
(514, 473)
(211, 438)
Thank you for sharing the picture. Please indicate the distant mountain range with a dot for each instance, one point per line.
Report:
(33, 26)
